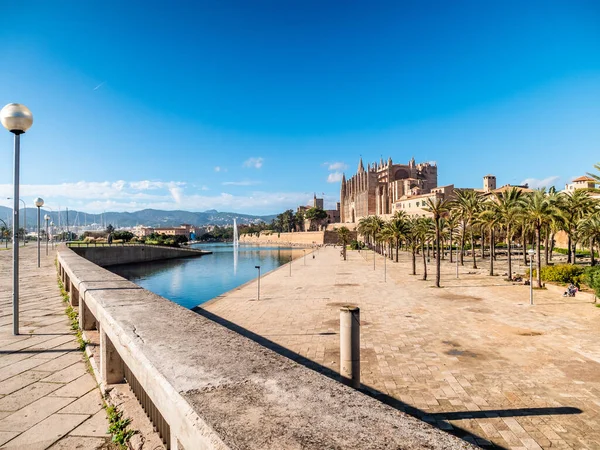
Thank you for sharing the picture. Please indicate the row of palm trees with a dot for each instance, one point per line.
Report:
(470, 216)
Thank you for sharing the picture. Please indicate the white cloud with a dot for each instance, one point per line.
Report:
(217, 168)
(334, 177)
(255, 163)
(535, 183)
(96, 197)
(337, 166)
(241, 183)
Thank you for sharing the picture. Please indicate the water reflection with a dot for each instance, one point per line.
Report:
(192, 281)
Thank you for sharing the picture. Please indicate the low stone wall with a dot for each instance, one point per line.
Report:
(116, 254)
(303, 238)
(208, 387)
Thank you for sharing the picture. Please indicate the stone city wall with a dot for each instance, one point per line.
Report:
(208, 387)
(301, 238)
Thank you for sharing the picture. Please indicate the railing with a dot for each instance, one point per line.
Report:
(82, 244)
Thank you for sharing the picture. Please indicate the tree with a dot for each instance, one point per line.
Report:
(573, 207)
(509, 210)
(343, 239)
(423, 229)
(315, 215)
(467, 204)
(539, 212)
(412, 240)
(398, 227)
(590, 229)
(452, 225)
(110, 229)
(125, 236)
(488, 218)
(439, 208)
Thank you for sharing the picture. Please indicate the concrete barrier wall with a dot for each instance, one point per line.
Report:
(105, 256)
(217, 389)
(306, 238)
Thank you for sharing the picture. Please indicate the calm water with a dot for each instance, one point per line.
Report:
(192, 281)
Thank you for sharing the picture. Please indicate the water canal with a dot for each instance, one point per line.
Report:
(193, 281)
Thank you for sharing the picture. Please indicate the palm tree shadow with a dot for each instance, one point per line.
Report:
(437, 422)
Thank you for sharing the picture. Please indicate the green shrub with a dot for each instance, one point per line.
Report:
(356, 245)
(561, 273)
(591, 277)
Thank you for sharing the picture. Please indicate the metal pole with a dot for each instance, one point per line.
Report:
(304, 256)
(373, 258)
(531, 280)
(258, 287)
(25, 224)
(350, 345)
(15, 237)
(47, 237)
(290, 265)
(38, 236)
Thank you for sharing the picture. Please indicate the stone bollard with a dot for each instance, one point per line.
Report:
(350, 345)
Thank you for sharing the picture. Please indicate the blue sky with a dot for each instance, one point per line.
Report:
(253, 106)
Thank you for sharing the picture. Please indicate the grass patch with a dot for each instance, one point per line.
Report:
(117, 426)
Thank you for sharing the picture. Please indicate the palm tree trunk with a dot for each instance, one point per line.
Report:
(397, 248)
(462, 246)
(424, 262)
(451, 247)
(569, 250)
(509, 252)
(492, 252)
(414, 261)
(539, 256)
(592, 257)
(524, 242)
(551, 245)
(473, 250)
(482, 243)
(546, 247)
(437, 254)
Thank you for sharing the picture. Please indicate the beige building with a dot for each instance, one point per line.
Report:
(414, 206)
(182, 230)
(374, 191)
(583, 182)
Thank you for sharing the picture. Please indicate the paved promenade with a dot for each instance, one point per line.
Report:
(472, 358)
(47, 397)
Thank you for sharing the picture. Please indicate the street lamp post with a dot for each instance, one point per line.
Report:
(258, 288)
(304, 256)
(47, 218)
(24, 218)
(17, 119)
(531, 253)
(385, 266)
(39, 202)
(290, 265)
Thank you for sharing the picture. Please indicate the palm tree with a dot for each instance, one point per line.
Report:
(423, 230)
(343, 238)
(439, 208)
(467, 204)
(590, 228)
(574, 206)
(364, 228)
(488, 218)
(398, 226)
(509, 209)
(539, 212)
(412, 240)
(452, 225)
(554, 198)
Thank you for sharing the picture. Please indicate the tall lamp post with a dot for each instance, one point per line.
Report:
(24, 218)
(17, 119)
(39, 202)
(531, 253)
(47, 218)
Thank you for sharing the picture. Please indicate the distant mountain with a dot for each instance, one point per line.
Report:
(147, 217)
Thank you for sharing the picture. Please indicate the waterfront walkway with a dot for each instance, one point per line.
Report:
(48, 399)
(473, 358)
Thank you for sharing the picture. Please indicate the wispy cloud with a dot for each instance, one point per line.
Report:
(95, 197)
(99, 86)
(218, 168)
(241, 183)
(535, 183)
(336, 166)
(334, 177)
(255, 163)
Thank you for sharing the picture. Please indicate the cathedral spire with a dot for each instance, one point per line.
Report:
(361, 168)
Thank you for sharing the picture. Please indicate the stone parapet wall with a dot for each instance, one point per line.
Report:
(111, 255)
(215, 388)
(303, 239)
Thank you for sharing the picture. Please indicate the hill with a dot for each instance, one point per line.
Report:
(147, 217)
